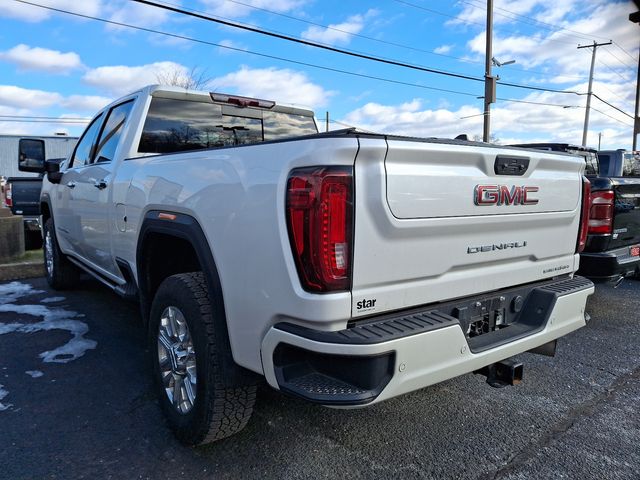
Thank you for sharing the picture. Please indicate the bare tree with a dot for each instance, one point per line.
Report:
(194, 79)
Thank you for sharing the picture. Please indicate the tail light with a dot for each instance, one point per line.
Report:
(320, 221)
(584, 214)
(601, 212)
(8, 198)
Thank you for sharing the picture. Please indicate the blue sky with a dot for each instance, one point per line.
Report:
(58, 65)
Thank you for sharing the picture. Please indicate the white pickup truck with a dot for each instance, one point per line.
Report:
(345, 268)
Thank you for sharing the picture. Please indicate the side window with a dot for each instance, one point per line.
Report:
(592, 163)
(112, 132)
(84, 150)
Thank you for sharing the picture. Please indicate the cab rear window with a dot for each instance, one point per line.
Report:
(178, 126)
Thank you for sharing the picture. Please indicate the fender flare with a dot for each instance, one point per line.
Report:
(187, 228)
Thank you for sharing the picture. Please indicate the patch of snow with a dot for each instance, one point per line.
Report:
(4, 393)
(52, 299)
(53, 319)
(10, 292)
(34, 373)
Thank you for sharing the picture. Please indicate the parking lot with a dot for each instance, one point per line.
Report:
(78, 403)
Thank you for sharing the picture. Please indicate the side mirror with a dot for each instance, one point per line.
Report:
(52, 167)
(31, 155)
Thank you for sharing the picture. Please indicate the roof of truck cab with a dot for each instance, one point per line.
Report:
(179, 93)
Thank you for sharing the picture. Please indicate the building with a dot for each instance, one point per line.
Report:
(58, 146)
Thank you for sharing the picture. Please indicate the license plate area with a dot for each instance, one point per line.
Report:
(487, 315)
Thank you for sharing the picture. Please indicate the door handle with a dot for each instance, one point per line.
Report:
(71, 184)
(100, 184)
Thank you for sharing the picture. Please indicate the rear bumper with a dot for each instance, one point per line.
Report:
(381, 359)
(608, 266)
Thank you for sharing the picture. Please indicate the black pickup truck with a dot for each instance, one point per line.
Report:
(612, 251)
(22, 196)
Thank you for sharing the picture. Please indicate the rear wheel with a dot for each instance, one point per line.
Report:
(199, 404)
(60, 272)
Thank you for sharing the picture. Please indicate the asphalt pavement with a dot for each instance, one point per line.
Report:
(76, 402)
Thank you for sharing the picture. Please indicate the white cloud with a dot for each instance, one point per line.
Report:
(137, 14)
(85, 103)
(231, 47)
(411, 119)
(119, 80)
(13, 96)
(41, 59)
(31, 13)
(443, 49)
(223, 8)
(508, 11)
(22, 101)
(557, 52)
(338, 33)
(281, 85)
(510, 122)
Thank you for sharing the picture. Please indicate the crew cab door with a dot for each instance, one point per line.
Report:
(87, 224)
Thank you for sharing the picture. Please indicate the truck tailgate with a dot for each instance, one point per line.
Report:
(626, 220)
(25, 195)
(434, 221)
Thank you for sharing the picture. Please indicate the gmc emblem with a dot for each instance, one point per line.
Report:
(504, 195)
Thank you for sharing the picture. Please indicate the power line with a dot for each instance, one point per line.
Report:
(296, 40)
(602, 85)
(468, 22)
(328, 27)
(612, 70)
(538, 103)
(241, 50)
(548, 26)
(55, 122)
(308, 43)
(612, 118)
(334, 49)
(624, 50)
(79, 119)
(365, 37)
(613, 106)
(540, 89)
(617, 58)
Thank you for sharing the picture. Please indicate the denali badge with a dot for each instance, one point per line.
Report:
(504, 195)
(496, 246)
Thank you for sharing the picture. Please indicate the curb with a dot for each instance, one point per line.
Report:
(21, 270)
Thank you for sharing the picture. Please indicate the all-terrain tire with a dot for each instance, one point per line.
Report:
(60, 272)
(219, 409)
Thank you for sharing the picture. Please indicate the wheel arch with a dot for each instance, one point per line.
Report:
(184, 230)
(45, 209)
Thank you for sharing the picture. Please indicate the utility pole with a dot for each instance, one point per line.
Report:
(586, 113)
(635, 18)
(327, 122)
(489, 81)
(599, 140)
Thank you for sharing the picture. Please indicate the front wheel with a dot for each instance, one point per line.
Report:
(61, 273)
(198, 403)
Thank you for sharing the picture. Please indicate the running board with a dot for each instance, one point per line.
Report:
(127, 290)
